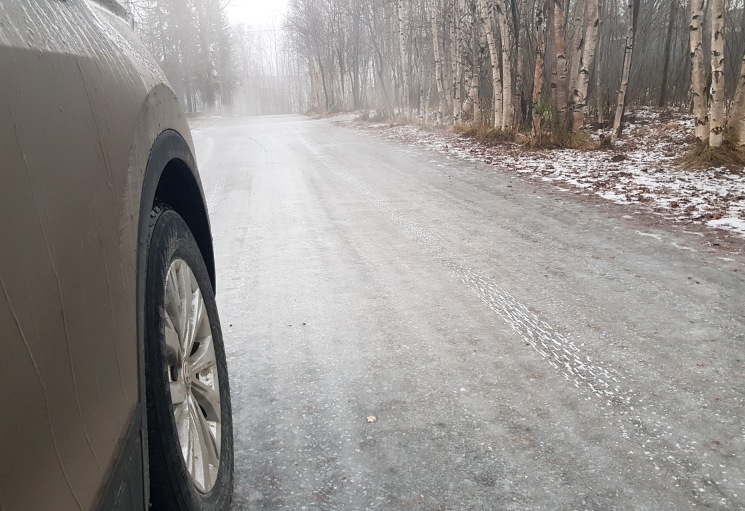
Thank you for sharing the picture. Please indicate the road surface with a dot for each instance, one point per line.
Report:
(408, 332)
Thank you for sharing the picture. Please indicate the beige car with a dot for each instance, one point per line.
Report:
(114, 386)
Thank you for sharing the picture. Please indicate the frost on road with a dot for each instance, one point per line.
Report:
(406, 331)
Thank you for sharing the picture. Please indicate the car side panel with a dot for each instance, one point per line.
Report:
(80, 106)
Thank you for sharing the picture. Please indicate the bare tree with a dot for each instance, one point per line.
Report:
(540, 55)
(698, 76)
(507, 100)
(435, 14)
(716, 126)
(559, 84)
(592, 19)
(737, 113)
(668, 47)
(402, 29)
(488, 21)
(632, 9)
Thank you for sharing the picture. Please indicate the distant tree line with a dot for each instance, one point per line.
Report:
(191, 41)
(217, 67)
(532, 65)
(543, 67)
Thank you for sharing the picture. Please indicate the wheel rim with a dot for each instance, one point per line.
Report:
(191, 367)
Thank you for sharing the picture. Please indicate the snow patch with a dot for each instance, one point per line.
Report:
(641, 170)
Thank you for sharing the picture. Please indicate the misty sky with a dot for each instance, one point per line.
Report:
(257, 12)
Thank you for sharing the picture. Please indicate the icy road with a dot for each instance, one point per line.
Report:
(407, 332)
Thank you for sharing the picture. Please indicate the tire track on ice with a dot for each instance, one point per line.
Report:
(560, 352)
(656, 439)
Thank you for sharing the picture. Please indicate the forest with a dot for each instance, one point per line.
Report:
(545, 69)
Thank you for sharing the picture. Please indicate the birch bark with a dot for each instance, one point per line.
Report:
(540, 53)
(456, 44)
(521, 33)
(479, 45)
(668, 47)
(716, 126)
(434, 5)
(631, 9)
(698, 77)
(487, 18)
(592, 18)
(507, 100)
(406, 103)
(559, 83)
(737, 113)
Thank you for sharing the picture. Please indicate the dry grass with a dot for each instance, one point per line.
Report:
(483, 134)
(729, 155)
(565, 140)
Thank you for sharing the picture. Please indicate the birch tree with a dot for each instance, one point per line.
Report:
(631, 11)
(559, 75)
(456, 45)
(698, 76)
(736, 121)
(435, 14)
(402, 29)
(507, 100)
(488, 20)
(592, 19)
(540, 54)
(668, 46)
(716, 126)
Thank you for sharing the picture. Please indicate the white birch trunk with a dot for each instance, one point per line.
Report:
(592, 18)
(621, 103)
(507, 100)
(479, 50)
(577, 46)
(737, 113)
(455, 52)
(438, 60)
(520, 38)
(698, 77)
(540, 55)
(406, 103)
(599, 76)
(470, 73)
(716, 126)
(486, 16)
(559, 75)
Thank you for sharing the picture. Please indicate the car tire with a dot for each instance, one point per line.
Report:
(190, 430)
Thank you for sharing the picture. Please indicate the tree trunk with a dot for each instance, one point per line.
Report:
(737, 113)
(631, 10)
(592, 18)
(520, 15)
(698, 76)
(668, 47)
(577, 45)
(598, 74)
(323, 82)
(478, 59)
(486, 17)
(540, 55)
(507, 100)
(438, 59)
(406, 103)
(716, 127)
(559, 84)
(455, 52)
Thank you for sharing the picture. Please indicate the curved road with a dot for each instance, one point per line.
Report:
(408, 332)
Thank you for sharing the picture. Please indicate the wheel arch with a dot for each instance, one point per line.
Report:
(171, 177)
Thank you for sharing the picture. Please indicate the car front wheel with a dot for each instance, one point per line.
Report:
(190, 430)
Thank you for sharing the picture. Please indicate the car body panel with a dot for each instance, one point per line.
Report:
(81, 106)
